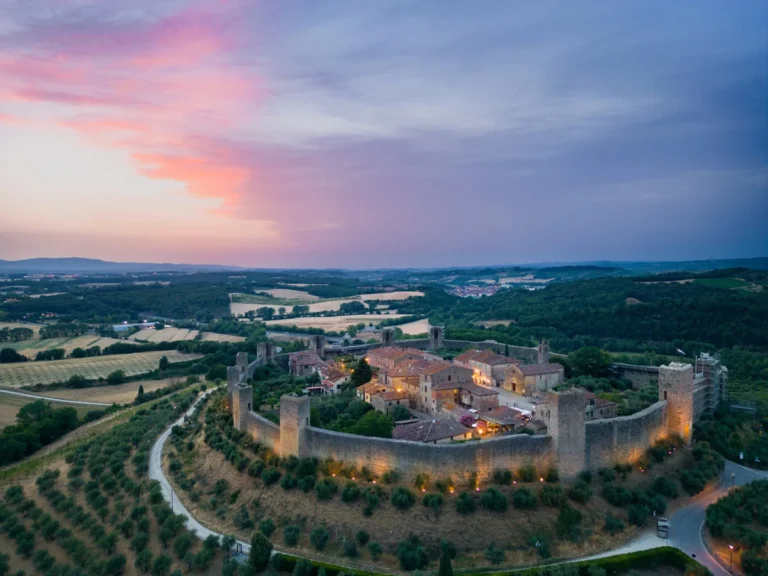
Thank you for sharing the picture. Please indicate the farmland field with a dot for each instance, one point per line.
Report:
(415, 328)
(242, 303)
(170, 334)
(337, 323)
(289, 294)
(722, 282)
(11, 325)
(30, 348)
(121, 394)
(10, 406)
(31, 373)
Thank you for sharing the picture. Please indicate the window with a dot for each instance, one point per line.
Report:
(449, 377)
(665, 394)
(249, 406)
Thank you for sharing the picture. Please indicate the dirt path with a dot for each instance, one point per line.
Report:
(51, 399)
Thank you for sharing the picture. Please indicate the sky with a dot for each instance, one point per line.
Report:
(287, 133)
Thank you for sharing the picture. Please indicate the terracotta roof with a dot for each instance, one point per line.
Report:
(435, 367)
(394, 352)
(409, 368)
(603, 403)
(503, 416)
(539, 369)
(393, 395)
(371, 387)
(472, 355)
(429, 430)
(332, 373)
(470, 387)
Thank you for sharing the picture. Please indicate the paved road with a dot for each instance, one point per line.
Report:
(49, 399)
(687, 522)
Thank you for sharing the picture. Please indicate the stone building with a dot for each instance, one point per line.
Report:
(389, 357)
(387, 402)
(488, 368)
(530, 379)
(432, 432)
(599, 408)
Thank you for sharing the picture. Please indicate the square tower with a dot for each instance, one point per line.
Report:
(676, 388)
(317, 345)
(435, 338)
(294, 419)
(242, 398)
(567, 416)
(387, 337)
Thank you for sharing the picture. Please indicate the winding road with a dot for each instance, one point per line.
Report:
(50, 399)
(685, 534)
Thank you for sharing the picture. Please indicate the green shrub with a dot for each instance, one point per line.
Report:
(586, 476)
(638, 514)
(402, 498)
(326, 488)
(302, 567)
(350, 493)
(362, 537)
(568, 524)
(288, 482)
(270, 475)
(433, 501)
(374, 549)
(613, 525)
(444, 485)
(524, 499)
(494, 554)
(607, 474)
(411, 554)
(493, 500)
(291, 535)
(306, 483)
(665, 486)
(527, 473)
(350, 548)
(390, 477)
(319, 537)
(552, 475)
(261, 551)
(580, 492)
(502, 476)
(552, 496)
(267, 526)
(465, 503)
(421, 481)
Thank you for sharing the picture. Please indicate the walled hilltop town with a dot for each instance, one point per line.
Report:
(469, 398)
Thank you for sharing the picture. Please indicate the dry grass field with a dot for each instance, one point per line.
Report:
(289, 294)
(31, 373)
(170, 334)
(246, 303)
(10, 406)
(414, 328)
(11, 325)
(336, 323)
(121, 394)
(30, 348)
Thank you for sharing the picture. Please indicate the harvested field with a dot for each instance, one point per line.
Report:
(214, 337)
(31, 373)
(289, 294)
(336, 323)
(10, 406)
(11, 325)
(527, 279)
(242, 303)
(414, 328)
(30, 348)
(121, 394)
(170, 334)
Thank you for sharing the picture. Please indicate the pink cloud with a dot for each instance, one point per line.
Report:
(151, 88)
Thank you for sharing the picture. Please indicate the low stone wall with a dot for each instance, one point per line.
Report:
(437, 460)
(262, 430)
(624, 439)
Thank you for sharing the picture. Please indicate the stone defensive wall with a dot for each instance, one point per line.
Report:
(437, 460)
(624, 439)
(639, 375)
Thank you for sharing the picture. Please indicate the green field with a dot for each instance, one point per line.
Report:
(728, 283)
(46, 372)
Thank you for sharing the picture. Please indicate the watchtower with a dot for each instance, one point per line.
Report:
(242, 397)
(567, 416)
(676, 388)
(387, 337)
(317, 345)
(435, 338)
(241, 361)
(265, 351)
(543, 352)
(233, 379)
(294, 419)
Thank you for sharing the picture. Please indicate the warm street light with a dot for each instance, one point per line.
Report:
(731, 568)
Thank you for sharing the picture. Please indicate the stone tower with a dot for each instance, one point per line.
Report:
(242, 362)
(233, 379)
(387, 337)
(294, 419)
(265, 351)
(676, 387)
(567, 418)
(435, 338)
(242, 397)
(543, 352)
(317, 345)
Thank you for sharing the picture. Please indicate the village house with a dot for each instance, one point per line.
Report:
(388, 401)
(331, 379)
(367, 391)
(530, 379)
(303, 364)
(389, 357)
(488, 368)
(503, 419)
(432, 432)
(599, 408)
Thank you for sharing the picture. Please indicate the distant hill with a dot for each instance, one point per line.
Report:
(93, 266)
